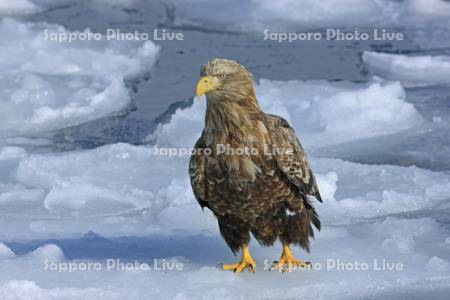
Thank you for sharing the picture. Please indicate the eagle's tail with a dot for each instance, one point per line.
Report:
(313, 216)
(314, 219)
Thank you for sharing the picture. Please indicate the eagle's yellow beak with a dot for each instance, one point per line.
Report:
(205, 84)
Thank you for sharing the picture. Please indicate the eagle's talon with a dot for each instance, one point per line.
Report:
(251, 269)
(246, 262)
(287, 262)
(227, 267)
(239, 267)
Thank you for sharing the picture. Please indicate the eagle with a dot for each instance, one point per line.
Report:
(249, 168)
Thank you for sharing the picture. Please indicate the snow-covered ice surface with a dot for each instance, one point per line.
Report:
(48, 85)
(424, 274)
(365, 139)
(312, 14)
(18, 7)
(377, 215)
(336, 113)
(412, 70)
(117, 183)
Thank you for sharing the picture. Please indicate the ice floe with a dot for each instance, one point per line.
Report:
(430, 8)
(123, 189)
(5, 252)
(384, 216)
(48, 85)
(368, 260)
(18, 7)
(327, 113)
(117, 183)
(310, 14)
(410, 70)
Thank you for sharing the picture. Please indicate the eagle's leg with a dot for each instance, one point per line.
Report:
(287, 261)
(246, 262)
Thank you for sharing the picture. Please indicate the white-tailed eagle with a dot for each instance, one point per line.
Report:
(255, 176)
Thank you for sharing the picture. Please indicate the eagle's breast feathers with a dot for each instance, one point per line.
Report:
(274, 154)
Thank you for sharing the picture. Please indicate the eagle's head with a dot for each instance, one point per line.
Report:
(225, 80)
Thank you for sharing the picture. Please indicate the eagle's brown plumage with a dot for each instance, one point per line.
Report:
(266, 191)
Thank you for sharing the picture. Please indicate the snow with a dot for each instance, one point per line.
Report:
(335, 273)
(75, 207)
(387, 190)
(410, 70)
(5, 252)
(336, 113)
(92, 189)
(18, 7)
(140, 189)
(341, 12)
(109, 184)
(128, 190)
(309, 14)
(257, 14)
(48, 85)
(428, 8)
(325, 13)
(29, 7)
(48, 252)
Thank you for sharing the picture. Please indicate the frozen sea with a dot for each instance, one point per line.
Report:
(85, 185)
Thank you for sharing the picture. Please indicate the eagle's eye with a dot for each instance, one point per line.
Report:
(221, 76)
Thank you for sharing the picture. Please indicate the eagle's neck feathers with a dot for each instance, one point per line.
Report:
(237, 122)
(231, 115)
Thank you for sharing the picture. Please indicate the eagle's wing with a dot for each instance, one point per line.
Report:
(291, 158)
(197, 173)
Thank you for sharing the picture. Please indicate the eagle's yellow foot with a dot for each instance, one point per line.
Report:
(287, 262)
(246, 262)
